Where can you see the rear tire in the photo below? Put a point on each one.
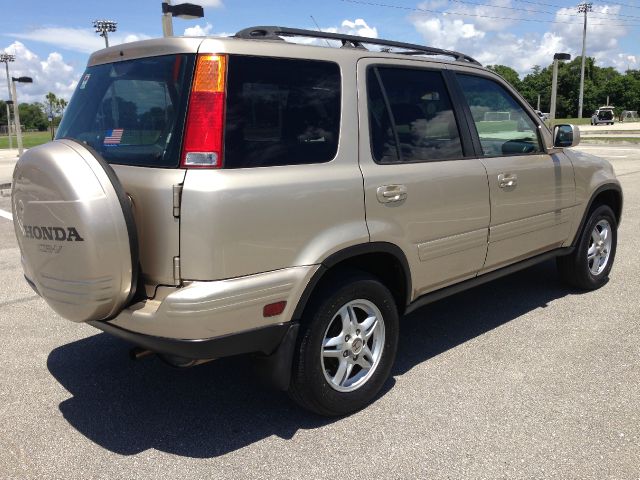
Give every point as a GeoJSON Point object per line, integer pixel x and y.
{"type": "Point", "coordinates": [589, 265]}
{"type": "Point", "coordinates": [346, 347]}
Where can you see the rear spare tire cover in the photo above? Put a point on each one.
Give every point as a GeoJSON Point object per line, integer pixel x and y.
{"type": "Point", "coordinates": [76, 230]}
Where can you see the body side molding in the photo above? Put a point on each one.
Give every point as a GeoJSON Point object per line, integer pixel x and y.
{"type": "Point", "coordinates": [487, 277]}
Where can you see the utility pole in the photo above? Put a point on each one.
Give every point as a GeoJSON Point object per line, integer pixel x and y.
{"type": "Point", "coordinates": [103, 27]}
{"type": "Point", "coordinates": [16, 117]}
{"type": "Point", "coordinates": [167, 19]}
{"type": "Point", "coordinates": [6, 58]}
{"type": "Point", "coordinates": [16, 110]}
{"type": "Point", "coordinates": [583, 8]}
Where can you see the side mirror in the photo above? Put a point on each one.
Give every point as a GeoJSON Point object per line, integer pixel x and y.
{"type": "Point", "coordinates": [566, 136]}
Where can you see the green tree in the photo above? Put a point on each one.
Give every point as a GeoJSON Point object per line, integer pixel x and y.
{"type": "Point", "coordinates": [32, 116]}
{"type": "Point", "coordinates": [538, 82]}
{"type": "Point", "coordinates": [3, 113]}
{"type": "Point", "coordinates": [508, 73]}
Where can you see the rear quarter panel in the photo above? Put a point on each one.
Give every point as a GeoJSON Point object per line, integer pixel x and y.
{"type": "Point", "coordinates": [237, 222]}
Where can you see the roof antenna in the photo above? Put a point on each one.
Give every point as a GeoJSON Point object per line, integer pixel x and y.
{"type": "Point", "coordinates": [318, 27]}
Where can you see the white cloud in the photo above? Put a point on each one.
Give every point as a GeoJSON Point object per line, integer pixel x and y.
{"type": "Point", "coordinates": [492, 16]}
{"type": "Point", "coordinates": [624, 62]}
{"type": "Point", "coordinates": [198, 30]}
{"type": "Point", "coordinates": [205, 31]}
{"type": "Point", "coordinates": [446, 32]}
{"type": "Point", "coordinates": [211, 3]}
{"type": "Point", "coordinates": [83, 40]}
{"type": "Point", "coordinates": [50, 75]}
{"type": "Point", "coordinates": [492, 41]}
{"type": "Point", "coordinates": [358, 27]}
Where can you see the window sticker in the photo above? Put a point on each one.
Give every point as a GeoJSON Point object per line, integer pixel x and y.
{"type": "Point", "coordinates": [113, 137]}
{"type": "Point", "coordinates": [85, 79]}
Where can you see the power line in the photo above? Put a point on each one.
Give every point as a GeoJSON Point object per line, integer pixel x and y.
{"type": "Point", "coordinates": [453, 13]}
{"type": "Point", "coordinates": [624, 4]}
{"type": "Point", "coordinates": [554, 5]}
{"type": "Point", "coordinates": [319, 29]}
{"type": "Point", "coordinates": [543, 11]}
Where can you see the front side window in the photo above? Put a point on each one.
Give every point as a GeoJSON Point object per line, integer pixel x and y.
{"type": "Point", "coordinates": [281, 112]}
{"type": "Point", "coordinates": [503, 126]}
{"type": "Point", "coordinates": [421, 125]}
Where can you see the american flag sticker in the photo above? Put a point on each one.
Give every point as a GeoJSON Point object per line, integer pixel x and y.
{"type": "Point", "coordinates": [113, 137]}
{"type": "Point", "coordinates": [85, 80]}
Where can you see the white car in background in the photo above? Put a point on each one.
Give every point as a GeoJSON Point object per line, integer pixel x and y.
{"type": "Point", "coordinates": [604, 115]}
{"type": "Point", "coordinates": [543, 116]}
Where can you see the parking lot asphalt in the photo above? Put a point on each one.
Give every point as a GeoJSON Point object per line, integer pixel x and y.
{"type": "Point", "coordinates": [8, 159]}
{"type": "Point", "coordinates": [519, 378]}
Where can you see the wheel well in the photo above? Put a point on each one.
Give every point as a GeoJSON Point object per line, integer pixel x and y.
{"type": "Point", "coordinates": [384, 266]}
{"type": "Point", "coordinates": [610, 197]}
{"type": "Point", "coordinates": [392, 271]}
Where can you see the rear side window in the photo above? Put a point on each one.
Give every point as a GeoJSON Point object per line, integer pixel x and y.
{"type": "Point", "coordinates": [503, 126]}
{"type": "Point", "coordinates": [281, 112]}
{"type": "Point", "coordinates": [421, 125]}
{"type": "Point", "coordinates": [132, 112]}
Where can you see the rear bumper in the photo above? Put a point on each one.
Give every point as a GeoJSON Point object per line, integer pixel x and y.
{"type": "Point", "coordinates": [206, 311]}
{"type": "Point", "coordinates": [263, 340]}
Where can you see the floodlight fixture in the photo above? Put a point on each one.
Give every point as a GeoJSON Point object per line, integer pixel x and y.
{"type": "Point", "coordinates": [22, 79]}
{"type": "Point", "coordinates": [185, 11]}
{"type": "Point", "coordinates": [562, 56]}
{"type": "Point", "coordinates": [104, 27]}
{"type": "Point", "coordinates": [7, 57]}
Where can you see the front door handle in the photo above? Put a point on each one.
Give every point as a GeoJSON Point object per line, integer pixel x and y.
{"type": "Point", "coordinates": [391, 193]}
{"type": "Point", "coordinates": [507, 180]}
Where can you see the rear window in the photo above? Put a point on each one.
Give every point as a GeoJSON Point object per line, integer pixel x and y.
{"type": "Point", "coordinates": [132, 112]}
{"type": "Point", "coordinates": [281, 112]}
{"type": "Point", "coordinates": [605, 115]}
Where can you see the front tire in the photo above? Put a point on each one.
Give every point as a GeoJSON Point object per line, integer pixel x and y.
{"type": "Point", "coordinates": [589, 265]}
{"type": "Point", "coordinates": [346, 347]}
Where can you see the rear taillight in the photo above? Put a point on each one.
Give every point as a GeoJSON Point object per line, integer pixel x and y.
{"type": "Point", "coordinates": [203, 137]}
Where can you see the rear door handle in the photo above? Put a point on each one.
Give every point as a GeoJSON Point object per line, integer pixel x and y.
{"type": "Point", "coordinates": [507, 180]}
{"type": "Point", "coordinates": [391, 193]}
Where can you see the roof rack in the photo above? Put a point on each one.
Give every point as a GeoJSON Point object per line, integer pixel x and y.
{"type": "Point", "coordinates": [352, 41]}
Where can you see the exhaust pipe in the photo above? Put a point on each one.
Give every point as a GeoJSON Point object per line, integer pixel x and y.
{"type": "Point", "coordinates": [138, 353]}
{"type": "Point", "coordinates": [180, 362]}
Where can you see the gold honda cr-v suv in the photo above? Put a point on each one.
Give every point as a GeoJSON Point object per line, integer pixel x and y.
{"type": "Point", "coordinates": [208, 197]}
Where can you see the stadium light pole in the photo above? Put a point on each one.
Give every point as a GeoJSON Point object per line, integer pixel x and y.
{"type": "Point", "coordinates": [554, 84]}
{"type": "Point", "coordinates": [583, 8]}
{"type": "Point", "coordinates": [6, 58]}
{"type": "Point", "coordinates": [104, 27]}
{"type": "Point", "coordinates": [186, 11]}
{"type": "Point", "coordinates": [16, 110]}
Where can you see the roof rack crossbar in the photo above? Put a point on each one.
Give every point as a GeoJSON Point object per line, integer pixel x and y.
{"type": "Point", "coordinates": [276, 33]}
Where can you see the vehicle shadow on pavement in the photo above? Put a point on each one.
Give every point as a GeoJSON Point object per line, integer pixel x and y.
{"type": "Point", "coordinates": [128, 407]}
{"type": "Point", "coordinates": [452, 321]}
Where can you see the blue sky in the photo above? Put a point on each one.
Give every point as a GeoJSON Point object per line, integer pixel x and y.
{"type": "Point", "coordinates": [52, 39]}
